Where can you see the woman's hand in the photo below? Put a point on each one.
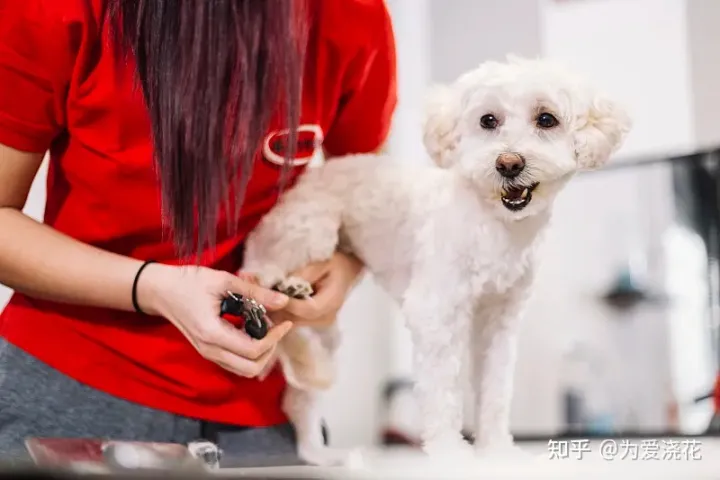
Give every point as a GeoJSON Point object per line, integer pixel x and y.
{"type": "Point", "coordinates": [331, 281]}
{"type": "Point", "coordinates": [190, 298]}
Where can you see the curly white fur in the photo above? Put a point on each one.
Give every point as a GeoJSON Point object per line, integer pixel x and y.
{"type": "Point", "coordinates": [440, 240]}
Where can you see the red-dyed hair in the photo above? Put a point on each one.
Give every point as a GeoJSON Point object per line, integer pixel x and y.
{"type": "Point", "coordinates": [213, 73]}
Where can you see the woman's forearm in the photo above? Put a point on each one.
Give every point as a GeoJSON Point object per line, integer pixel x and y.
{"type": "Point", "coordinates": [41, 262]}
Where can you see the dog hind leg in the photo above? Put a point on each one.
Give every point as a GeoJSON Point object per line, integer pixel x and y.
{"type": "Point", "coordinates": [303, 407]}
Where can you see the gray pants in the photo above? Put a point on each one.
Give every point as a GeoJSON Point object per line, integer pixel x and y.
{"type": "Point", "coordinates": [36, 400]}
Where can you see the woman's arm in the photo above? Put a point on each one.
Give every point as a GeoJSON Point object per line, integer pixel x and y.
{"type": "Point", "coordinates": [41, 262]}
{"type": "Point", "coordinates": [37, 61]}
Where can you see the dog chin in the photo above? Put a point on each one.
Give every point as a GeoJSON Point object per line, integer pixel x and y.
{"type": "Point", "coordinates": [505, 214]}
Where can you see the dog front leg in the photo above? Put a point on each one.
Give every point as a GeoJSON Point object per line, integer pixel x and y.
{"type": "Point", "coordinates": [494, 352]}
{"type": "Point", "coordinates": [440, 338]}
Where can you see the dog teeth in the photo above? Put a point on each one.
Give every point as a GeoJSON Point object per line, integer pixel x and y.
{"type": "Point", "coordinates": [524, 193]}
{"type": "Point", "coordinates": [503, 192]}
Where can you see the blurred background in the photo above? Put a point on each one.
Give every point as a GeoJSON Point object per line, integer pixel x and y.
{"type": "Point", "coordinates": [621, 333]}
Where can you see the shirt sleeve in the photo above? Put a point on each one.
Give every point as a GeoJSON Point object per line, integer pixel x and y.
{"type": "Point", "coordinates": [36, 59]}
{"type": "Point", "coordinates": [369, 99]}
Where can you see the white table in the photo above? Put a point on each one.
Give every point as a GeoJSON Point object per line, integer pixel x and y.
{"type": "Point", "coordinates": [405, 465]}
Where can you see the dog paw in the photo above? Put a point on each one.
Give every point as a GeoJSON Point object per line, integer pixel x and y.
{"type": "Point", "coordinates": [330, 457]}
{"type": "Point", "coordinates": [295, 287]}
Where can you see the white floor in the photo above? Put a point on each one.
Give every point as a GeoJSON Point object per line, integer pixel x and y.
{"type": "Point", "coordinates": [636, 461]}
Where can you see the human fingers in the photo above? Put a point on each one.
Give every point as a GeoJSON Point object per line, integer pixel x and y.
{"type": "Point", "coordinates": [247, 276]}
{"type": "Point", "coordinates": [318, 322]}
{"type": "Point", "coordinates": [270, 299]}
{"type": "Point", "coordinates": [243, 366]}
{"type": "Point", "coordinates": [223, 335]}
{"type": "Point", "coordinates": [327, 299]}
{"type": "Point", "coordinates": [269, 366]}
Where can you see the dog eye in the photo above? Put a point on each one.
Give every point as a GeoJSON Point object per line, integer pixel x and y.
{"type": "Point", "coordinates": [488, 122]}
{"type": "Point", "coordinates": [546, 120]}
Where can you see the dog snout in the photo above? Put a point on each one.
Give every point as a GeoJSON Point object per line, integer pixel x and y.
{"type": "Point", "coordinates": [509, 165]}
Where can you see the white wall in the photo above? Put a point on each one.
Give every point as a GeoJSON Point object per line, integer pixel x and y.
{"type": "Point", "coordinates": [704, 37]}
{"type": "Point", "coordinates": [464, 33]}
{"type": "Point", "coordinates": [642, 52]}
{"type": "Point", "coordinates": [637, 50]}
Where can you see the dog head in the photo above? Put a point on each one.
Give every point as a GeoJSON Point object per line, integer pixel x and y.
{"type": "Point", "coordinates": [518, 130]}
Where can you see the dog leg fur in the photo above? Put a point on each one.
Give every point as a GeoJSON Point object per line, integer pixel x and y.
{"type": "Point", "coordinates": [303, 408]}
{"type": "Point", "coordinates": [494, 343]}
{"type": "Point", "coordinates": [276, 248]}
{"type": "Point", "coordinates": [439, 324]}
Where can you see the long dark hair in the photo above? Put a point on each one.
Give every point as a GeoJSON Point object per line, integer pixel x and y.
{"type": "Point", "coordinates": [213, 73]}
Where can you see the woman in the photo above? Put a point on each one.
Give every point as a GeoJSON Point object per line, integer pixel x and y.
{"type": "Point", "coordinates": [171, 127]}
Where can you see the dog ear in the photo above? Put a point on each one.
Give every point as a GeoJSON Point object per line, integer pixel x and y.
{"type": "Point", "coordinates": [606, 126]}
{"type": "Point", "coordinates": [440, 135]}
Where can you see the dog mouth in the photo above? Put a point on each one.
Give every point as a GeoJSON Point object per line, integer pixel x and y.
{"type": "Point", "coordinates": [517, 197]}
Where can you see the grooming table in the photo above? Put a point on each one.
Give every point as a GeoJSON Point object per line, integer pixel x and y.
{"type": "Point", "coordinates": [407, 464]}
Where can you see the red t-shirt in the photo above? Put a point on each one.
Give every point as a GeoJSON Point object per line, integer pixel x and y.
{"type": "Point", "coordinates": [60, 91]}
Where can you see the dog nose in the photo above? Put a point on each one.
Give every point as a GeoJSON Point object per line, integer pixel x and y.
{"type": "Point", "coordinates": [509, 165]}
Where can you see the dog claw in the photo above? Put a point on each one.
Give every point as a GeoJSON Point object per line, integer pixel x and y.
{"type": "Point", "coordinates": [295, 287]}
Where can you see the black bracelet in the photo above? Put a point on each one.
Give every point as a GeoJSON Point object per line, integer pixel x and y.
{"type": "Point", "coordinates": [134, 286]}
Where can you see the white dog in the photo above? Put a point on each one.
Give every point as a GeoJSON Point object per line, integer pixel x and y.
{"type": "Point", "coordinates": [453, 243]}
